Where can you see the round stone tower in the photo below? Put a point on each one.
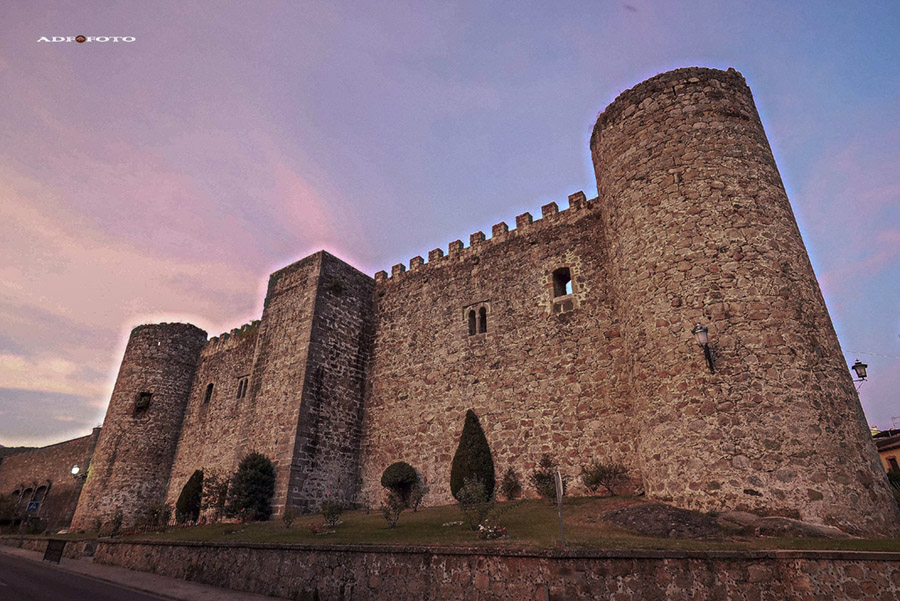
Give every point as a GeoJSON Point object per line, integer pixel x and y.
{"type": "Point", "coordinates": [700, 230]}
{"type": "Point", "coordinates": [131, 464]}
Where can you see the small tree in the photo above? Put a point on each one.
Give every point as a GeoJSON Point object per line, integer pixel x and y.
{"type": "Point", "coordinates": [187, 508]}
{"type": "Point", "coordinates": [400, 478]}
{"type": "Point", "coordinates": [473, 458]}
{"type": "Point", "coordinates": [331, 511]}
{"type": "Point", "coordinates": [252, 488]}
{"type": "Point", "coordinates": [154, 517]}
{"type": "Point", "coordinates": [510, 485]}
{"type": "Point", "coordinates": [391, 508]}
{"type": "Point", "coordinates": [608, 475]}
{"type": "Point", "coordinates": [215, 495]}
{"type": "Point", "coordinates": [543, 478]}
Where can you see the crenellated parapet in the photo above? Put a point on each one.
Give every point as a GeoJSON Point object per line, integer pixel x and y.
{"type": "Point", "coordinates": [500, 233]}
{"type": "Point", "coordinates": [231, 339]}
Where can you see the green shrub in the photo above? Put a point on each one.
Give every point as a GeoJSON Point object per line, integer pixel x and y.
{"type": "Point", "coordinates": [290, 514]}
{"type": "Point", "coordinates": [252, 488]}
{"type": "Point", "coordinates": [510, 486]}
{"type": "Point", "coordinates": [608, 475]}
{"type": "Point", "coordinates": [7, 509]}
{"type": "Point", "coordinates": [115, 525]}
{"type": "Point", "coordinates": [391, 508]}
{"type": "Point", "coordinates": [543, 478]}
{"type": "Point", "coordinates": [473, 458]}
{"type": "Point", "coordinates": [215, 495]}
{"type": "Point", "coordinates": [187, 508]}
{"type": "Point", "coordinates": [400, 478]}
{"type": "Point", "coordinates": [154, 517]}
{"type": "Point", "coordinates": [331, 511]}
{"type": "Point", "coordinates": [475, 502]}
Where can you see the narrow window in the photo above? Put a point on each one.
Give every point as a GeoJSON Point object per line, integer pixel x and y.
{"type": "Point", "coordinates": [472, 322]}
{"type": "Point", "coordinates": [240, 388]}
{"type": "Point", "coordinates": [894, 466]}
{"type": "Point", "coordinates": [208, 395]}
{"type": "Point", "coordinates": [142, 403]}
{"type": "Point", "coordinates": [482, 320]}
{"type": "Point", "coordinates": [562, 282]}
{"type": "Point", "coordinates": [40, 494]}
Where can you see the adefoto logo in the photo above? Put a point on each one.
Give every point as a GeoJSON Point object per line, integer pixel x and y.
{"type": "Point", "coordinates": [81, 39]}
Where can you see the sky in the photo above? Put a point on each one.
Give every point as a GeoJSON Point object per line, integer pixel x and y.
{"type": "Point", "coordinates": [163, 179]}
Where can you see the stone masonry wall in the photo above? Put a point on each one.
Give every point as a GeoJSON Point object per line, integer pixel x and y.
{"type": "Point", "coordinates": [279, 369]}
{"type": "Point", "coordinates": [401, 574]}
{"type": "Point", "coordinates": [212, 434]}
{"type": "Point", "coordinates": [135, 449]}
{"type": "Point", "coordinates": [327, 447]}
{"type": "Point", "coordinates": [544, 377]}
{"type": "Point", "coordinates": [704, 232]}
{"type": "Point", "coordinates": [49, 467]}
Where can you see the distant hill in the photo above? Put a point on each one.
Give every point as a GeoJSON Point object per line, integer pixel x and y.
{"type": "Point", "coordinates": [8, 451]}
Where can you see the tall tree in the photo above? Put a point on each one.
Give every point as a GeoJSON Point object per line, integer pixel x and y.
{"type": "Point", "coordinates": [473, 458]}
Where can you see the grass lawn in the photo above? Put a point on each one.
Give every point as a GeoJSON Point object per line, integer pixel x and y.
{"type": "Point", "coordinates": [532, 524]}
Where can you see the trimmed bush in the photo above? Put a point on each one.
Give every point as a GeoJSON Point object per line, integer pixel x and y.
{"type": "Point", "coordinates": [510, 485]}
{"type": "Point", "coordinates": [608, 475]}
{"type": "Point", "coordinates": [472, 460]}
{"type": "Point", "coordinates": [543, 478]}
{"type": "Point", "coordinates": [400, 478]}
{"type": "Point", "coordinates": [252, 489]}
{"type": "Point", "coordinates": [187, 508]}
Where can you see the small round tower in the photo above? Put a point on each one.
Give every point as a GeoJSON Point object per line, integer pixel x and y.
{"type": "Point", "coordinates": [700, 230]}
{"type": "Point", "coordinates": [131, 464]}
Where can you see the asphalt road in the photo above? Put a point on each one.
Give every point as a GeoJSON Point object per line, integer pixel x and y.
{"type": "Point", "coordinates": [25, 580]}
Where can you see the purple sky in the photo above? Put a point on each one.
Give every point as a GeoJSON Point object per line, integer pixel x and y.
{"type": "Point", "coordinates": [164, 179]}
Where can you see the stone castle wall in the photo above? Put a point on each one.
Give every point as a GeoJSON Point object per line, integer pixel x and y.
{"type": "Point", "coordinates": [544, 376]}
{"type": "Point", "coordinates": [212, 434]}
{"type": "Point", "coordinates": [705, 232]}
{"type": "Point", "coordinates": [327, 446]}
{"type": "Point", "coordinates": [50, 467]}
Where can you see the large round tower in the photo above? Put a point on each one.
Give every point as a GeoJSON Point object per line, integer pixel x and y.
{"type": "Point", "coordinates": [131, 464]}
{"type": "Point", "coordinates": [700, 230]}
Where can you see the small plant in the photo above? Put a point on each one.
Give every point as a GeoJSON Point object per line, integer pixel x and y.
{"type": "Point", "coordinates": [391, 508]}
{"type": "Point", "coordinates": [608, 475]}
{"type": "Point", "coordinates": [331, 511]}
{"type": "Point", "coordinates": [400, 478]}
{"type": "Point", "coordinates": [543, 478]}
{"type": "Point", "coordinates": [154, 517]}
{"type": "Point", "coordinates": [475, 502]}
{"type": "Point", "coordinates": [115, 525]}
{"type": "Point", "coordinates": [472, 459]}
{"type": "Point", "coordinates": [510, 486]}
{"type": "Point", "coordinates": [252, 488]}
{"type": "Point", "coordinates": [290, 514]}
{"type": "Point", "coordinates": [187, 508]}
{"type": "Point", "coordinates": [214, 495]}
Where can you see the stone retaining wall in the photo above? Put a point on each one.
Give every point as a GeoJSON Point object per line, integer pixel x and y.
{"type": "Point", "coordinates": [346, 573]}
{"type": "Point", "coordinates": [75, 549]}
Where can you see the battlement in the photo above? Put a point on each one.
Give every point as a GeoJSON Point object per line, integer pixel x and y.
{"type": "Point", "coordinates": [234, 337]}
{"type": "Point", "coordinates": [641, 96]}
{"type": "Point", "coordinates": [500, 232]}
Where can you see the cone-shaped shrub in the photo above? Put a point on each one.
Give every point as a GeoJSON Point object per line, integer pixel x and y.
{"type": "Point", "coordinates": [187, 508]}
{"type": "Point", "coordinates": [252, 489]}
{"type": "Point", "coordinates": [473, 459]}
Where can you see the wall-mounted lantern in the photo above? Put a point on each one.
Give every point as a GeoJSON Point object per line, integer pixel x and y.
{"type": "Point", "coordinates": [860, 368]}
{"type": "Point", "coordinates": [701, 335]}
{"type": "Point", "coordinates": [77, 473]}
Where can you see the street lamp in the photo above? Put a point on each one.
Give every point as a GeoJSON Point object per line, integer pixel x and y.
{"type": "Point", "coordinates": [701, 335]}
{"type": "Point", "coordinates": [77, 474]}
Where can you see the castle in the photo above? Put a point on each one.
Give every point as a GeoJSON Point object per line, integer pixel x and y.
{"type": "Point", "coordinates": [569, 335]}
